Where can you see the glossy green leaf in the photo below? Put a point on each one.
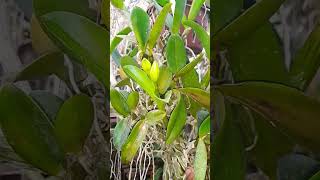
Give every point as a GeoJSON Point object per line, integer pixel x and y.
{"type": "Point", "coordinates": [80, 7]}
{"type": "Point", "coordinates": [81, 39]}
{"type": "Point", "coordinates": [105, 12]}
{"type": "Point", "coordinates": [175, 53]}
{"type": "Point", "coordinates": [121, 133]}
{"type": "Point", "coordinates": [225, 12]}
{"type": "Point", "coordinates": [179, 9]}
{"type": "Point", "coordinates": [134, 52]}
{"type": "Point", "coordinates": [200, 162]}
{"type": "Point", "coordinates": [199, 95]}
{"type": "Point", "coordinates": [250, 59]}
{"type": "Point", "coordinates": [116, 40]}
{"type": "Point", "coordinates": [133, 100]}
{"type": "Point", "coordinates": [51, 63]}
{"type": "Point", "coordinates": [165, 79]}
{"type": "Point", "coordinates": [205, 80]}
{"type": "Point", "coordinates": [195, 9]}
{"type": "Point", "coordinates": [73, 123]}
{"type": "Point", "coordinates": [286, 107]}
{"type": "Point", "coordinates": [48, 102]}
{"type": "Point", "coordinates": [247, 23]}
{"type": "Point", "coordinates": [228, 151]}
{"type": "Point", "coordinates": [124, 82]}
{"type": "Point", "coordinates": [306, 62]}
{"type": "Point", "coordinates": [177, 121]}
{"type": "Point", "coordinates": [205, 127]}
{"type": "Point", "coordinates": [154, 116]}
{"type": "Point", "coordinates": [128, 60]}
{"type": "Point", "coordinates": [141, 78]}
{"type": "Point", "coordinates": [118, 3]}
{"type": "Point", "coordinates": [162, 2]}
{"type": "Point", "coordinates": [190, 66]}
{"type": "Point", "coordinates": [158, 25]}
{"type": "Point", "coordinates": [141, 26]}
{"type": "Point", "coordinates": [202, 35]}
{"type": "Point", "coordinates": [134, 141]}
{"type": "Point", "coordinates": [28, 130]}
{"type": "Point", "coordinates": [119, 103]}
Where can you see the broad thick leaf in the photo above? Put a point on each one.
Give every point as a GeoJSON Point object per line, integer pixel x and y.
{"type": "Point", "coordinates": [177, 121]}
{"type": "Point", "coordinates": [141, 78]}
{"type": "Point", "coordinates": [286, 107]}
{"type": "Point", "coordinates": [202, 35]}
{"type": "Point", "coordinates": [175, 53]}
{"type": "Point", "coordinates": [199, 95]}
{"type": "Point", "coordinates": [247, 23]}
{"type": "Point", "coordinates": [200, 162]}
{"type": "Point", "coordinates": [297, 167]}
{"type": "Point", "coordinates": [228, 155]}
{"type": "Point", "coordinates": [258, 57]}
{"type": "Point", "coordinates": [51, 63]}
{"type": "Point", "coordinates": [306, 62]}
{"type": "Point", "coordinates": [73, 123]}
{"type": "Point", "coordinates": [179, 8]}
{"type": "Point", "coordinates": [121, 133]}
{"type": "Point", "coordinates": [116, 40]}
{"type": "Point", "coordinates": [154, 116]}
{"type": "Point", "coordinates": [165, 79]}
{"type": "Point", "coordinates": [134, 141]}
{"type": "Point", "coordinates": [158, 25]}
{"type": "Point", "coordinates": [48, 102]}
{"type": "Point", "coordinates": [81, 39]}
{"type": "Point", "coordinates": [190, 66]}
{"type": "Point", "coordinates": [80, 7]}
{"type": "Point", "coordinates": [118, 3]}
{"type": "Point", "coordinates": [119, 103]}
{"type": "Point", "coordinates": [140, 23]}
{"type": "Point", "coordinates": [28, 130]}
{"type": "Point", "coordinates": [128, 60]}
{"type": "Point", "coordinates": [195, 9]}
{"type": "Point", "coordinates": [133, 100]}
{"type": "Point", "coordinates": [224, 12]}
{"type": "Point", "coordinates": [205, 127]}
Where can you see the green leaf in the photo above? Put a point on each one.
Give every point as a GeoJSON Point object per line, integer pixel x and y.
{"type": "Point", "coordinates": [286, 107]}
{"type": "Point", "coordinates": [199, 95]}
{"type": "Point", "coordinates": [119, 103]}
{"type": "Point", "coordinates": [224, 12]}
{"type": "Point", "coordinates": [141, 78]}
{"type": "Point", "coordinates": [200, 162]}
{"type": "Point", "coordinates": [134, 141]}
{"type": "Point", "coordinates": [176, 122]}
{"type": "Point", "coordinates": [205, 80]}
{"type": "Point", "coordinates": [121, 133]}
{"type": "Point", "coordinates": [179, 8]}
{"type": "Point", "coordinates": [158, 25]}
{"type": "Point", "coordinates": [141, 26]}
{"type": "Point", "coordinates": [73, 123]}
{"type": "Point", "coordinates": [162, 2]}
{"type": "Point", "coordinates": [116, 40]}
{"type": "Point", "coordinates": [175, 53]}
{"type": "Point", "coordinates": [48, 102]}
{"type": "Point", "coordinates": [105, 12]}
{"type": "Point", "coordinates": [250, 59]}
{"type": "Point", "coordinates": [306, 62]}
{"type": "Point", "coordinates": [81, 39]}
{"type": "Point", "coordinates": [316, 176]}
{"type": "Point", "coordinates": [190, 66]}
{"type": "Point", "coordinates": [219, 109]}
{"type": "Point", "coordinates": [202, 35]}
{"type": "Point", "coordinates": [28, 130]}
{"type": "Point", "coordinates": [204, 128]}
{"type": "Point", "coordinates": [118, 3]}
{"type": "Point", "coordinates": [247, 23]}
{"type": "Point", "coordinates": [228, 156]}
{"type": "Point", "coordinates": [128, 60]}
{"type": "Point", "coordinates": [124, 82]}
{"type": "Point", "coordinates": [195, 9]}
{"type": "Point", "coordinates": [133, 100]}
{"type": "Point", "coordinates": [152, 117]}
{"type": "Point", "coordinates": [165, 79]}
{"type": "Point", "coordinates": [51, 63]}
{"type": "Point", "coordinates": [80, 7]}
